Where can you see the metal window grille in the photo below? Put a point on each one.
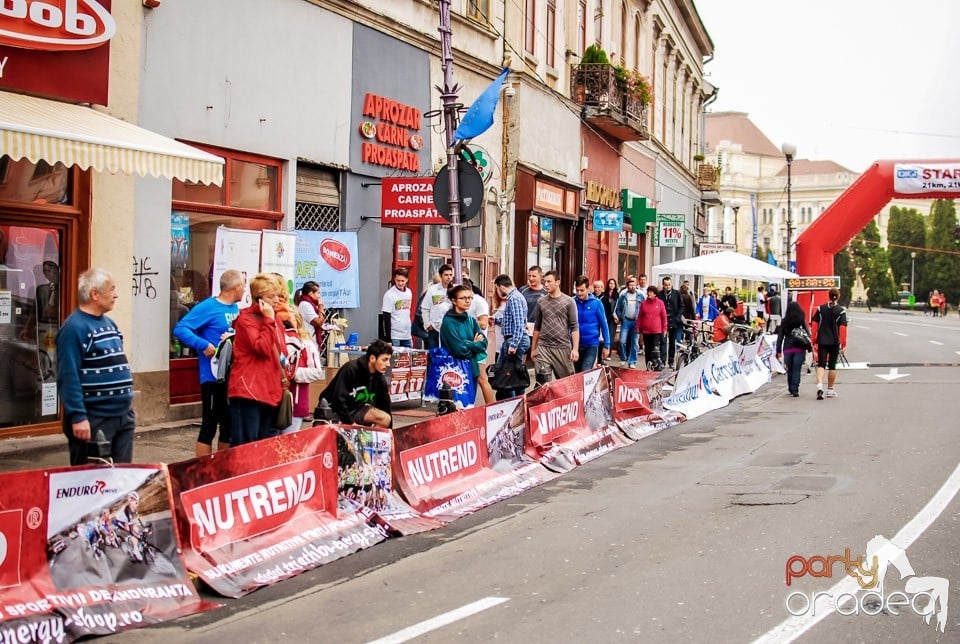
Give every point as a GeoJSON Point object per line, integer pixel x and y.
{"type": "Point", "coordinates": [312, 216]}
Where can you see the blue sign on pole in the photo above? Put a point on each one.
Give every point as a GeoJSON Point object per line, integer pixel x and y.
{"type": "Point", "coordinates": [608, 220]}
{"type": "Point", "coordinates": [793, 266]}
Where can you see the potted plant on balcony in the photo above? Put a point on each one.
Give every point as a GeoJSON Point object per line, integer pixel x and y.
{"type": "Point", "coordinates": [594, 55]}
{"type": "Point", "coordinates": [632, 84]}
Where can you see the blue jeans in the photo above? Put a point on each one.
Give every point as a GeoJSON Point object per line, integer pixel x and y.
{"type": "Point", "coordinates": [793, 363]}
{"type": "Point", "coordinates": [587, 358]}
{"type": "Point", "coordinates": [402, 343]}
{"type": "Point", "coordinates": [628, 341]}
{"type": "Point", "coordinates": [522, 348]}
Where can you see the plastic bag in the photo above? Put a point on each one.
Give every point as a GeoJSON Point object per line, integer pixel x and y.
{"type": "Point", "coordinates": [458, 374]}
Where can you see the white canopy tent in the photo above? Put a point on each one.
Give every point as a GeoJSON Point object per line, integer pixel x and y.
{"type": "Point", "coordinates": [725, 264]}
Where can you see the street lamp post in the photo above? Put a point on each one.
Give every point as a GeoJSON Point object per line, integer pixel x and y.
{"type": "Point", "coordinates": [735, 206]}
{"type": "Point", "coordinates": [913, 257]}
{"type": "Point", "coordinates": [789, 151]}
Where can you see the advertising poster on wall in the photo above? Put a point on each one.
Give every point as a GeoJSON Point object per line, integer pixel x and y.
{"type": "Point", "coordinates": [88, 552]}
{"type": "Point", "coordinates": [179, 240]}
{"type": "Point", "coordinates": [277, 255]}
{"type": "Point", "coordinates": [330, 259]}
{"type": "Point", "coordinates": [239, 250]}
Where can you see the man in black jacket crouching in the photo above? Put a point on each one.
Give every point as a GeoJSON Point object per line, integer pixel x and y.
{"type": "Point", "coordinates": [359, 394]}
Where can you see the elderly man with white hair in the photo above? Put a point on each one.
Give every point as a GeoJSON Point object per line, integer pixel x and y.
{"type": "Point", "coordinates": [94, 378]}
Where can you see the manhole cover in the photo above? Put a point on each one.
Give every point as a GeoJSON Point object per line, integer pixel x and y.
{"type": "Point", "coordinates": [768, 499]}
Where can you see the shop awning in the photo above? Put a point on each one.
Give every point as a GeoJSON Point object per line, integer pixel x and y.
{"type": "Point", "coordinates": [37, 129]}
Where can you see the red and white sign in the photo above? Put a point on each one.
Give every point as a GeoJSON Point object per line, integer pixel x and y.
{"type": "Point", "coordinates": [241, 507]}
{"type": "Point", "coordinates": [335, 253]}
{"type": "Point", "coordinates": [441, 462]}
{"type": "Point", "coordinates": [562, 416]}
{"type": "Point", "coordinates": [55, 26]}
{"type": "Point", "coordinates": [408, 201]}
{"type": "Point", "coordinates": [57, 48]}
{"type": "Point", "coordinates": [11, 525]}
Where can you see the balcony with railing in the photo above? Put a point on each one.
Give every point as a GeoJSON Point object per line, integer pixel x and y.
{"type": "Point", "coordinates": [606, 103]}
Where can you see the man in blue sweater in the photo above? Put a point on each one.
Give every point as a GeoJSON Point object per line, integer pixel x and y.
{"type": "Point", "coordinates": [94, 377]}
{"type": "Point", "coordinates": [593, 326]}
{"type": "Point", "coordinates": [201, 330]}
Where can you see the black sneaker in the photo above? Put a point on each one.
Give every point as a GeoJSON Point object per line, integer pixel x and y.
{"type": "Point", "coordinates": [819, 394]}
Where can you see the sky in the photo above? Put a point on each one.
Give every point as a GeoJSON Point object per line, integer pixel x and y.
{"type": "Point", "coordinates": [852, 81]}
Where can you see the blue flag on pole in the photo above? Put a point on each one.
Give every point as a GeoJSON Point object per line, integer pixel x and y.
{"type": "Point", "coordinates": [770, 258]}
{"type": "Point", "coordinates": [479, 117]}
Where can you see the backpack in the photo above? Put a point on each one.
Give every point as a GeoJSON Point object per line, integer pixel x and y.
{"type": "Point", "coordinates": [222, 360]}
{"type": "Point", "coordinates": [296, 353]}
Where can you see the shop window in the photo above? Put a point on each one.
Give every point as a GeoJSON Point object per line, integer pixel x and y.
{"type": "Point", "coordinates": [31, 298]}
{"type": "Point", "coordinates": [250, 183]}
{"type": "Point", "coordinates": [38, 183]}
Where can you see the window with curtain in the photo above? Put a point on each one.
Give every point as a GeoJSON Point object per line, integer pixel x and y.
{"type": "Point", "coordinates": [598, 22]}
{"type": "Point", "coordinates": [636, 43]}
{"type": "Point", "coordinates": [479, 10]}
{"type": "Point", "coordinates": [582, 28]}
{"type": "Point", "coordinates": [623, 33]}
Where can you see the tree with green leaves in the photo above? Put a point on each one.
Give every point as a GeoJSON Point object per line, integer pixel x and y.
{"type": "Point", "coordinates": [908, 228]}
{"type": "Point", "coordinates": [843, 267]}
{"type": "Point", "coordinates": [873, 264]}
{"type": "Point", "coordinates": [942, 270]}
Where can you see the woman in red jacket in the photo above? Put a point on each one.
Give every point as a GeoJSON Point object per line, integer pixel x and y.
{"type": "Point", "coordinates": [652, 325]}
{"type": "Point", "coordinates": [255, 385]}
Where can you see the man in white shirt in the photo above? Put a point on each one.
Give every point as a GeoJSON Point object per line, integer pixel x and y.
{"type": "Point", "coordinates": [395, 312]}
{"type": "Point", "coordinates": [435, 304]}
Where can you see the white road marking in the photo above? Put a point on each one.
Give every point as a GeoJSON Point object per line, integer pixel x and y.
{"type": "Point", "coordinates": [440, 621]}
{"type": "Point", "coordinates": [902, 334]}
{"type": "Point", "coordinates": [860, 326]}
{"type": "Point", "coordinates": [793, 627]}
{"type": "Point", "coordinates": [939, 344]}
{"type": "Point", "coordinates": [893, 375]}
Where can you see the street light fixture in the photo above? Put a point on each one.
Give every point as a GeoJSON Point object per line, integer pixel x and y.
{"type": "Point", "coordinates": [735, 207]}
{"type": "Point", "coordinates": [789, 151]}
{"type": "Point", "coordinates": [913, 257]}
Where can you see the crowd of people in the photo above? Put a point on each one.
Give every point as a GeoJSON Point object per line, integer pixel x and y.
{"type": "Point", "coordinates": [274, 356]}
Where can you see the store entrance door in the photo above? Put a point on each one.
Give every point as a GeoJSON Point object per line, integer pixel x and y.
{"type": "Point", "coordinates": [31, 305]}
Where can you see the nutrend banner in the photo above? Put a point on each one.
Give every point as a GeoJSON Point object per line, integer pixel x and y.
{"type": "Point", "coordinates": [258, 513]}
{"type": "Point", "coordinates": [638, 402]}
{"type": "Point", "coordinates": [458, 463]}
{"type": "Point", "coordinates": [571, 421]}
{"type": "Point", "coordinates": [88, 551]}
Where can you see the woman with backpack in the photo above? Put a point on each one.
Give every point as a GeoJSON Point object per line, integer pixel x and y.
{"type": "Point", "coordinates": [303, 367]}
{"type": "Point", "coordinates": [793, 342]}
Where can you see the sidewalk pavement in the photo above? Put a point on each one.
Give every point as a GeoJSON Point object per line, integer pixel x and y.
{"type": "Point", "coordinates": [161, 443]}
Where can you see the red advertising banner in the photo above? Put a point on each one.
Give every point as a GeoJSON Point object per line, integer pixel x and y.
{"type": "Point", "coordinates": [88, 551]}
{"type": "Point", "coordinates": [265, 511]}
{"type": "Point", "coordinates": [408, 200]}
{"type": "Point", "coordinates": [571, 421]}
{"type": "Point", "coordinates": [57, 49]}
{"type": "Point", "coordinates": [456, 464]}
{"type": "Point", "coordinates": [638, 402]}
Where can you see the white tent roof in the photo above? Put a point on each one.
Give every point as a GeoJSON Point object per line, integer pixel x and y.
{"type": "Point", "coordinates": [725, 264]}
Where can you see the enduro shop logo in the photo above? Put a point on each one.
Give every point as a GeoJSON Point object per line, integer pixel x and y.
{"type": "Point", "coordinates": [924, 596]}
{"type": "Point", "coordinates": [55, 25]}
{"type": "Point", "coordinates": [95, 488]}
{"type": "Point", "coordinates": [335, 253]}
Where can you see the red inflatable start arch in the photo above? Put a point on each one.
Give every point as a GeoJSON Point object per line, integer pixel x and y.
{"type": "Point", "coordinates": [845, 217]}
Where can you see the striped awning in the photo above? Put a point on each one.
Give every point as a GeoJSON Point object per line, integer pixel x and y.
{"type": "Point", "coordinates": [38, 129]}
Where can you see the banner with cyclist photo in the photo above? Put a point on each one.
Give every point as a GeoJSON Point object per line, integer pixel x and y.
{"type": "Point", "coordinates": [365, 469]}
{"type": "Point", "coordinates": [265, 511]}
{"type": "Point", "coordinates": [444, 465]}
{"type": "Point", "coordinates": [88, 551]}
{"type": "Point", "coordinates": [570, 421]}
{"type": "Point", "coordinates": [638, 402]}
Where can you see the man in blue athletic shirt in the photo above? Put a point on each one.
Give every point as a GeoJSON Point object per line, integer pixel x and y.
{"type": "Point", "coordinates": [201, 330]}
